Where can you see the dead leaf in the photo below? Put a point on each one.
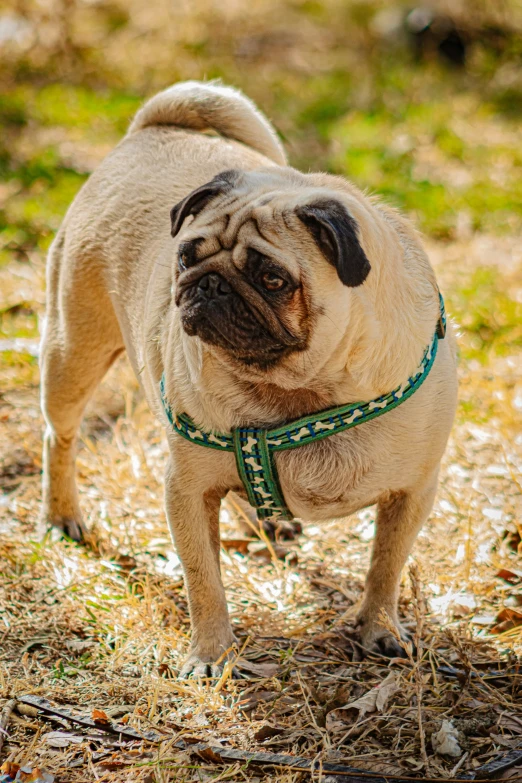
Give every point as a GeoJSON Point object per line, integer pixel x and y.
{"type": "Point", "coordinates": [386, 690]}
{"type": "Point", "coordinates": [445, 741]}
{"type": "Point", "coordinates": [506, 742]}
{"type": "Point", "coordinates": [510, 722]}
{"type": "Point", "coordinates": [265, 670]}
{"type": "Point", "coordinates": [256, 698]}
{"type": "Point", "coordinates": [414, 763]}
{"type": "Point", "coordinates": [62, 739]}
{"type": "Point", "coordinates": [474, 704]}
{"type": "Point", "coordinates": [34, 775]}
{"type": "Point", "coordinates": [9, 768]}
{"type": "Point", "coordinates": [236, 544]}
{"type": "Point", "coordinates": [509, 575]}
{"type": "Point", "coordinates": [208, 754]}
{"type": "Point", "coordinates": [258, 549]}
{"type": "Point", "coordinates": [506, 620]}
{"type": "Point", "coordinates": [99, 716]}
{"type": "Point", "coordinates": [514, 772]}
{"type": "Point", "coordinates": [267, 732]}
{"type": "Point", "coordinates": [374, 700]}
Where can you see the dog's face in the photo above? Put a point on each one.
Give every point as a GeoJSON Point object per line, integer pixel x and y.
{"type": "Point", "coordinates": [265, 269]}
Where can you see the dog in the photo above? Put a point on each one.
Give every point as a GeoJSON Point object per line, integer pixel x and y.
{"type": "Point", "coordinates": [247, 294]}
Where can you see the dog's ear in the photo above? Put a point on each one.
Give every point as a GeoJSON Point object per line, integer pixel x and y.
{"type": "Point", "coordinates": [335, 233]}
{"type": "Point", "coordinates": [196, 201]}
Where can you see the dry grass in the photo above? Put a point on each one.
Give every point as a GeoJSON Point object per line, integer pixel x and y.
{"type": "Point", "coordinates": [109, 626]}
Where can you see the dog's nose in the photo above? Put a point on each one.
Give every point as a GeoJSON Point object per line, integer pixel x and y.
{"type": "Point", "coordinates": [212, 286]}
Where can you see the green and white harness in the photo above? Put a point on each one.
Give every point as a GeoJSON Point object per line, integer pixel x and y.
{"type": "Point", "coordinates": [254, 447]}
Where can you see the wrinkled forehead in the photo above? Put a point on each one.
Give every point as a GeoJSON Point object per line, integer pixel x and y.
{"type": "Point", "coordinates": [262, 223]}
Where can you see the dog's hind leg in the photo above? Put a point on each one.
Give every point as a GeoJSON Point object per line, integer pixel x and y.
{"type": "Point", "coordinates": [81, 340]}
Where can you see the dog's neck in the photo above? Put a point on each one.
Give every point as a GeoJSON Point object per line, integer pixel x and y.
{"type": "Point", "coordinates": [396, 311]}
{"type": "Point", "coordinates": [219, 399]}
{"type": "Point", "coordinates": [393, 320]}
{"type": "Point", "coordinates": [287, 404]}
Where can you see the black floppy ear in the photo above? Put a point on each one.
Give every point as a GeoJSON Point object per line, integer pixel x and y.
{"type": "Point", "coordinates": [335, 233]}
{"type": "Point", "coordinates": [196, 201]}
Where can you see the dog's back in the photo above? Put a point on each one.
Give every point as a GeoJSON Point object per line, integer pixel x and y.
{"type": "Point", "coordinates": [119, 221]}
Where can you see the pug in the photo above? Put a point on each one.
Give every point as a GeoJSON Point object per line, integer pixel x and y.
{"type": "Point", "coordinates": [247, 294]}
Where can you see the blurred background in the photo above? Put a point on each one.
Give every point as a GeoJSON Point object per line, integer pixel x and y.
{"type": "Point", "coordinates": [419, 102]}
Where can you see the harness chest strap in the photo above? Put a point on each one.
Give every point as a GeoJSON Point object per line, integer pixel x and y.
{"type": "Point", "coordinates": [254, 447]}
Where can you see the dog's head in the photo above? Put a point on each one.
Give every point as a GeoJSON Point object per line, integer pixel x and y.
{"type": "Point", "coordinates": [266, 267]}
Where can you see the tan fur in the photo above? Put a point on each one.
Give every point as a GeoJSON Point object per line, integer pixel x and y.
{"type": "Point", "coordinates": [212, 106]}
{"type": "Point", "coordinates": [112, 280]}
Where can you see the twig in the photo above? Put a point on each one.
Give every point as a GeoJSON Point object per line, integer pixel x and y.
{"type": "Point", "coordinates": [4, 720]}
{"type": "Point", "coordinates": [459, 764]}
{"type": "Point", "coordinates": [258, 531]}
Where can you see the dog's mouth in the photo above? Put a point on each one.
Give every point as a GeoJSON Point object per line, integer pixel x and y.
{"type": "Point", "coordinates": [213, 310]}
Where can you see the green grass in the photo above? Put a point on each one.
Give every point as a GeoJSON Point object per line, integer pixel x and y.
{"type": "Point", "coordinates": [80, 108]}
{"type": "Point", "coordinates": [19, 321]}
{"type": "Point", "coordinates": [416, 158]}
{"type": "Point", "coordinates": [489, 315]}
{"type": "Point", "coordinates": [436, 156]}
{"type": "Point", "coordinates": [439, 143]}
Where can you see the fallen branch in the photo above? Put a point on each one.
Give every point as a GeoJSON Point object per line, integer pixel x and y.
{"type": "Point", "coordinates": [109, 727]}
{"type": "Point", "coordinates": [488, 773]}
{"type": "Point", "coordinates": [217, 754]}
{"type": "Point", "coordinates": [494, 769]}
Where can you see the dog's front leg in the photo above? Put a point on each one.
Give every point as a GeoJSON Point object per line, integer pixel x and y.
{"type": "Point", "coordinates": [193, 516]}
{"type": "Point", "coordinates": [399, 519]}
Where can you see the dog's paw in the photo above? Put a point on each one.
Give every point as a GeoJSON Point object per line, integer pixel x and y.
{"type": "Point", "coordinates": [198, 669]}
{"type": "Point", "coordinates": [204, 667]}
{"type": "Point", "coordinates": [59, 527]}
{"type": "Point", "coordinates": [282, 530]}
{"type": "Point", "coordinates": [377, 640]}
{"type": "Point", "coordinates": [207, 660]}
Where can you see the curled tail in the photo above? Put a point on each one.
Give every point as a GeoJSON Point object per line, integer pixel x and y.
{"type": "Point", "coordinates": [211, 106]}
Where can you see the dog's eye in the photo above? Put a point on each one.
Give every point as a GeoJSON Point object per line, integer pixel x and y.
{"type": "Point", "coordinates": [187, 254]}
{"type": "Point", "coordinates": [272, 282]}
